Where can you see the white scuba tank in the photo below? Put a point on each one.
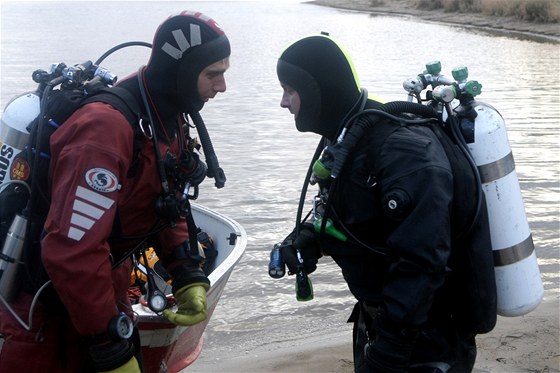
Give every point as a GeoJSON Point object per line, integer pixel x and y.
{"type": "Point", "coordinates": [518, 280]}
{"type": "Point", "coordinates": [17, 115]}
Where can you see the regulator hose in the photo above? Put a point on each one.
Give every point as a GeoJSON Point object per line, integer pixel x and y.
{"type": "Point", "coordinates": [214, 169]}
{"type": "Point", "coordinates": [359, 122]}
{"type": "Point", "coordinates": [121, 46]}
{"type": "Point", "coordinates": [394, 107]}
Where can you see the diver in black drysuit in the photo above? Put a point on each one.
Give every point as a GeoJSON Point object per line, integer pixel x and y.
{"type": "Point", "coordinates": [424, 281]}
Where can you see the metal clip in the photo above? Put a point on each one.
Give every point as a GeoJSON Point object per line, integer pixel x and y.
{"type": "Point", "coordinates": [149, 134]}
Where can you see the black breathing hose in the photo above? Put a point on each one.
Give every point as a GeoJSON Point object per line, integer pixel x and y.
{"type": "Point", "coordinates": [214, 169]}
{"type": "Point", "coordinates": [120, 46]}
{"type": "Point", "coordinates": [303, 194]}
{"type": "Point", "coordinates": [358, 123]}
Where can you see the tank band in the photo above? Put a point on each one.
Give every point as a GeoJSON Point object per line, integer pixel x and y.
{"type": "Point", "coordinates": [12, 137]}
{"type": "Point", "coordinates": [496, 170]}
{"type": "Point", "coordinates": [515, 253]}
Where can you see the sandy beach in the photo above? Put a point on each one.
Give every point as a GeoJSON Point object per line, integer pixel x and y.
{"type": "Point", "coordinates": [528, 343]}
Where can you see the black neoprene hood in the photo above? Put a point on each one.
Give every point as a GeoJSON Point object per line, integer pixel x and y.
{"type": "Point", "coordinates": [323, 75]}
{"type": "Point", "coordinates": [183, 46]}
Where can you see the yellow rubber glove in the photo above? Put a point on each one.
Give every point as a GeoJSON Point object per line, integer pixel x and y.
{"type": "Point", "coordinates": [130, 367]}
{"type": "Point", "coordinates": [191, 305]}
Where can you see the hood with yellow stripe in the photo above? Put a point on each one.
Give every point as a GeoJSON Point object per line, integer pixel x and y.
{"type": "Point", "coordinates": [322, 73]}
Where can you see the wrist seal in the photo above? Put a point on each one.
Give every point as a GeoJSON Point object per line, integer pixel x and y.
{"type": "Point", "coordinates": [185, 252]}
{"type": "Point", "coordinates": [185, 274]}
{"type": "Point", "coordinates": [110, 356]}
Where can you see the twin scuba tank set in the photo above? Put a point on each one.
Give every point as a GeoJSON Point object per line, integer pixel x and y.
{"type": "Point", "coordinates": [482, 132]}
{"type": "Point", "coordinates": [27, 110]}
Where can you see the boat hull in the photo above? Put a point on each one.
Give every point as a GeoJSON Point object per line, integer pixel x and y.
{"type": "Point", "coordinates": [167, 347]}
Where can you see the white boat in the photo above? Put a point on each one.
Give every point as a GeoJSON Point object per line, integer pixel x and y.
{"type": "Point", "coordinates": [170, 348]}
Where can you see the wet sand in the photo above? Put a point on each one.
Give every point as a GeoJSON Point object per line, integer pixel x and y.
{"type": "Point", "coordinates": [529, 343]}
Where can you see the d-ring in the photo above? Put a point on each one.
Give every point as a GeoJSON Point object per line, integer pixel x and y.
{"type": "Point", "coordinates": [149, 135]}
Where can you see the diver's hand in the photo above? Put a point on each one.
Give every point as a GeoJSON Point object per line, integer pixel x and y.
{"type": "Point", "coordinates": [308, 244]}
{"type": "Point", "coordinates": [191, 305]}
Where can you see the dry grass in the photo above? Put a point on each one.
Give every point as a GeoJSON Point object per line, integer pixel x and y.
{"type": "Point", "coordinates": [546, 11]}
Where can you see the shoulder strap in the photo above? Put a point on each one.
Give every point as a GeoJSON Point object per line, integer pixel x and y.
{"type": "Point", "coordinates": [120, 99]}
{"type": "Point", "coordinates": [123, 101]}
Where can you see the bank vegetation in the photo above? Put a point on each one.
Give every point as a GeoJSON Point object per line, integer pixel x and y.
{"type": "Point", "coordinates": [542, 11]}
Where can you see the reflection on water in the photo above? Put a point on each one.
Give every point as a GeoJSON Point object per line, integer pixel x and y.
{"type": "Point", "coordinates": [265, 158]}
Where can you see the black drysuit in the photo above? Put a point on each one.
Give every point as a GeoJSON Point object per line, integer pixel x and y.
{"type": "Point", "coordinates": [407, 191]}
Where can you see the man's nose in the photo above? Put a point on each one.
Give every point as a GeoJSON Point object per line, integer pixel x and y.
{"type": "Point", "coordinates": [220, 84]}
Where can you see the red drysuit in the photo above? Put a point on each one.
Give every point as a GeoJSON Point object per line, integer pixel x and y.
{"type": "Point", "coordinates": [91, 156]}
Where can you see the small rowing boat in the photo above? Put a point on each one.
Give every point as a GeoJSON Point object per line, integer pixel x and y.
{"type": "Point", "coordinates": [169, 348]}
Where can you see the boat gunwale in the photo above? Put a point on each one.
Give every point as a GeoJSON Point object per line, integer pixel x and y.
{"type": "Point", "coordinates": [219, 274]}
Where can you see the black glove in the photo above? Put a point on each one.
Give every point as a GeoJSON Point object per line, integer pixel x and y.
{"type": "Point", "coordinates": [391, 350]}
{"type": "Point", "coordinates": [307, 241]}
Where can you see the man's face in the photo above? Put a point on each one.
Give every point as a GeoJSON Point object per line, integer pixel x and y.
{"type": "Point", "coordinates": [290, 100]}
{"type": "Point", "coordinates": [211, 80]}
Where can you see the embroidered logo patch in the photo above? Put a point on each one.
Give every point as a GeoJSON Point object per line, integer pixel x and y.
{"type": "Point", "coordinates": [102, 180]}
{"type": "Point", "coordinates": [20, 170]}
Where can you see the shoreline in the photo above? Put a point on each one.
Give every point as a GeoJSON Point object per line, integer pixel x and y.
{"type": "Point", "coordinates": [507, 26]}
{"type": "Point", "coordinates": [527, 343]}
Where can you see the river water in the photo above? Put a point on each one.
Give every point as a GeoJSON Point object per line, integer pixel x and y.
{"type": "Point", "coordinates": [262, 154]}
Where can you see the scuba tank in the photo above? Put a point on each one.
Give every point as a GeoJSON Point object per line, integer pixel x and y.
{"type": "Point", "coordinates": [20, 112]}
{"type": "Point", "coordinates": [518, 280]}
{"type": "Point", "coordinates": [14, 135]}
{"type": "Point", "coordinates": [11, 255]}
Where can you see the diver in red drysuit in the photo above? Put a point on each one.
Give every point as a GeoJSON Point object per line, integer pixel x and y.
{"type": "Point", "coordinates": [100, 210]}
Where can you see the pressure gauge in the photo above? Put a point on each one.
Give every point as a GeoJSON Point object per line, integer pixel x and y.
{"type": "Point", "coordinates": [157, 301]}
{"type": "Point", "coordinates": [120, 327]}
